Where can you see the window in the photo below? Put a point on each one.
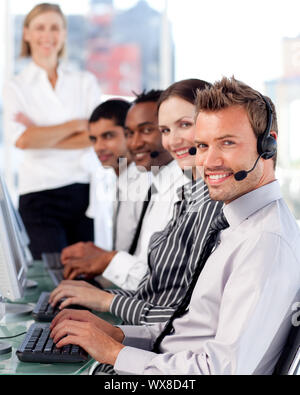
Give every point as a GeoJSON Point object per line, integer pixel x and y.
{"type": "Point", "coordinates": [132, 45]}
{"type": "Point", "coordinates": [121, 46]}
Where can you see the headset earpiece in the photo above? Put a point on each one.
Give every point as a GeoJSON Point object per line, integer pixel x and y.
{"type": "Point", "coordinates": [268, 147]}
{"type": "Point", "coordinates": [267, 144]}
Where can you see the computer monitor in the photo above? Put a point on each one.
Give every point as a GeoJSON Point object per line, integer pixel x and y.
{"type": "Point", "coordinates": [20, 229]}
{"type": "Point", "coordinates": [13, 263]}
{"type": "Point", "coordinates": [13, 266]}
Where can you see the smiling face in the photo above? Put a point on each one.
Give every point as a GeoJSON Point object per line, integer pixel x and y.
{"type": "Point", "coordinates": [46, 35]}
{"type": "Point", "coordinates": [109, 142]}
{"type": "Point", "coordinates": [226, 144]}
{"type": "Point", "coordinates": [143, 136]}
{"type": "Point", "coordinates": [176, 123]}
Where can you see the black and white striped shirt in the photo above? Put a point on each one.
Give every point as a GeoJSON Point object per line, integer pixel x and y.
{"type": "Point", "coordinates": [172, 257]}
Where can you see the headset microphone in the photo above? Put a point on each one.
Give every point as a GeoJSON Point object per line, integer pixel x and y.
{"type": "Point", "coordinates": [154, 154]}
{"type": "Point", "coordinates": [193, 151]}
{"type": "Point", "coordinates": [241, 175]}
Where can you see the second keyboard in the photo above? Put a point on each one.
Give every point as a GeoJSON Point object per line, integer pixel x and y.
{"type": "Point", "coordinates": [44, 312]}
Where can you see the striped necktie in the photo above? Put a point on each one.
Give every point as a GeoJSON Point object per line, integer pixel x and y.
{"type": "Point", "coordinates": [219, 223]}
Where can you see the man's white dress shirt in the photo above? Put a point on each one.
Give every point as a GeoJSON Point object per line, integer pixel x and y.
{"type": "Point", "coordinates": [115, 220]}
{"type": "Point", "coordinates": [125, 270]}
{"type": "Point", "coordinates": [75, 96]}
{"type": "Point", "coordinates": [241, 308]}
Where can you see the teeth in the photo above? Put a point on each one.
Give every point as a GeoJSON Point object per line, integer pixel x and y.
{"type": "Point", "coordinates": [217, 176]}
{"type": "Point", "coordinates": [182, 152]}
{"type": "Point", "coordinates": [140, 155]}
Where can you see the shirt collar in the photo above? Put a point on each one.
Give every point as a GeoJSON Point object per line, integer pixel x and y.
{"type": "Point", "coordinates": [193, 191]}
{"type": "Point", "coordinates": [131, 174]}
{"type": "Point", "coordinates": [240, 209]}
{"type": "Point", "coordinates": [197, 188]}
{"type": "Point", "coordinates": [34, 71]}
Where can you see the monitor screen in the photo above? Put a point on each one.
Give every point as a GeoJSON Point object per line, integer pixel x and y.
{"type": "Point", "coordinates": [20, 229]}
{"type": "Point", "coordinates": [12, 261]}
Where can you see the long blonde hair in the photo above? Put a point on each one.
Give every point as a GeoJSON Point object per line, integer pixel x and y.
{"type": "Point", "coordinates": [36, 11]}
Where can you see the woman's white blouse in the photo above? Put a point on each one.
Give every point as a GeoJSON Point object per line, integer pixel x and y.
{"type": "Point", "coordinates": [75, 96]}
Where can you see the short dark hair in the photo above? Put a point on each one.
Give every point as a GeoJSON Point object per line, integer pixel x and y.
{"type": "Point", "coordinates": [151, 96]}
{"type": "Point", "coordinates": [114, 109]}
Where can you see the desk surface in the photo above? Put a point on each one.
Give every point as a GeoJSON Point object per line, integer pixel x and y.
{"type": "Point", "coordinates": [9, 363]}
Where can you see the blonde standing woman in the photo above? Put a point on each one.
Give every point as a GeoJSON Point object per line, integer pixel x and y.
{"type": "Point", "coordinates": [46, 111]}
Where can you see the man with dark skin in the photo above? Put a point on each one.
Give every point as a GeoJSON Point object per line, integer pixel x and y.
{"type": "Point", "coordinates": [144, 143]}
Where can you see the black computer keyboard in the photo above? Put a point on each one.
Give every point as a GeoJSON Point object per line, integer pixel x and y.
{"type": "Point", "coordinates": [52, 260]}
{"type": "Point", "coordinates": [57, 276]}
{"type": "Point", "coordinates": [44, 312]}
{"type": "Point", "coordinates": [53, 266]}
{"type": "Point", "coordinates": [39, 347]}
{"type": "Point", "coordinates": [55, 270]}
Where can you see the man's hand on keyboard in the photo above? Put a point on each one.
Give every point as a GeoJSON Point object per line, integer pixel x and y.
{"type": "Point", "coordinates": [78, 250]}
{"type": "Point", "coordinates": [98, 338]}
{"type": "Point", "coordinates": [90, 266]}
{"type": "Point", "coordinates": [81, 293]}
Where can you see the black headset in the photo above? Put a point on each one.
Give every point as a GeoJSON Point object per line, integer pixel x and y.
{"type": "Point", "coordinates": [266, 144]}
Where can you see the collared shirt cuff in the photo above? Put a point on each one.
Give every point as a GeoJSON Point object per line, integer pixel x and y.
{"type": "Point", "coordinates": [118, 268]}
{"type": "Point", "coordinates": [132, 361]}
{"type": "Point", "coordinates": [139, 336]}
{"type": "Point", "coordinates": [125, 270]}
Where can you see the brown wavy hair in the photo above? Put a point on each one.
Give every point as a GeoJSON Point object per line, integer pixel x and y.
{"type": "Point", "coordinates": [230, 92]}
{"type": "Point", "coordinates": [184, 89]}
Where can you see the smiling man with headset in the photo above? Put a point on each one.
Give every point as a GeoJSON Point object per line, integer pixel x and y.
{"type": "Point", "coordinates": [235, 316]}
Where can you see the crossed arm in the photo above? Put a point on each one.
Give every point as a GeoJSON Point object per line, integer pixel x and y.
{"type": "Point", "coordinates": [68, 135]}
